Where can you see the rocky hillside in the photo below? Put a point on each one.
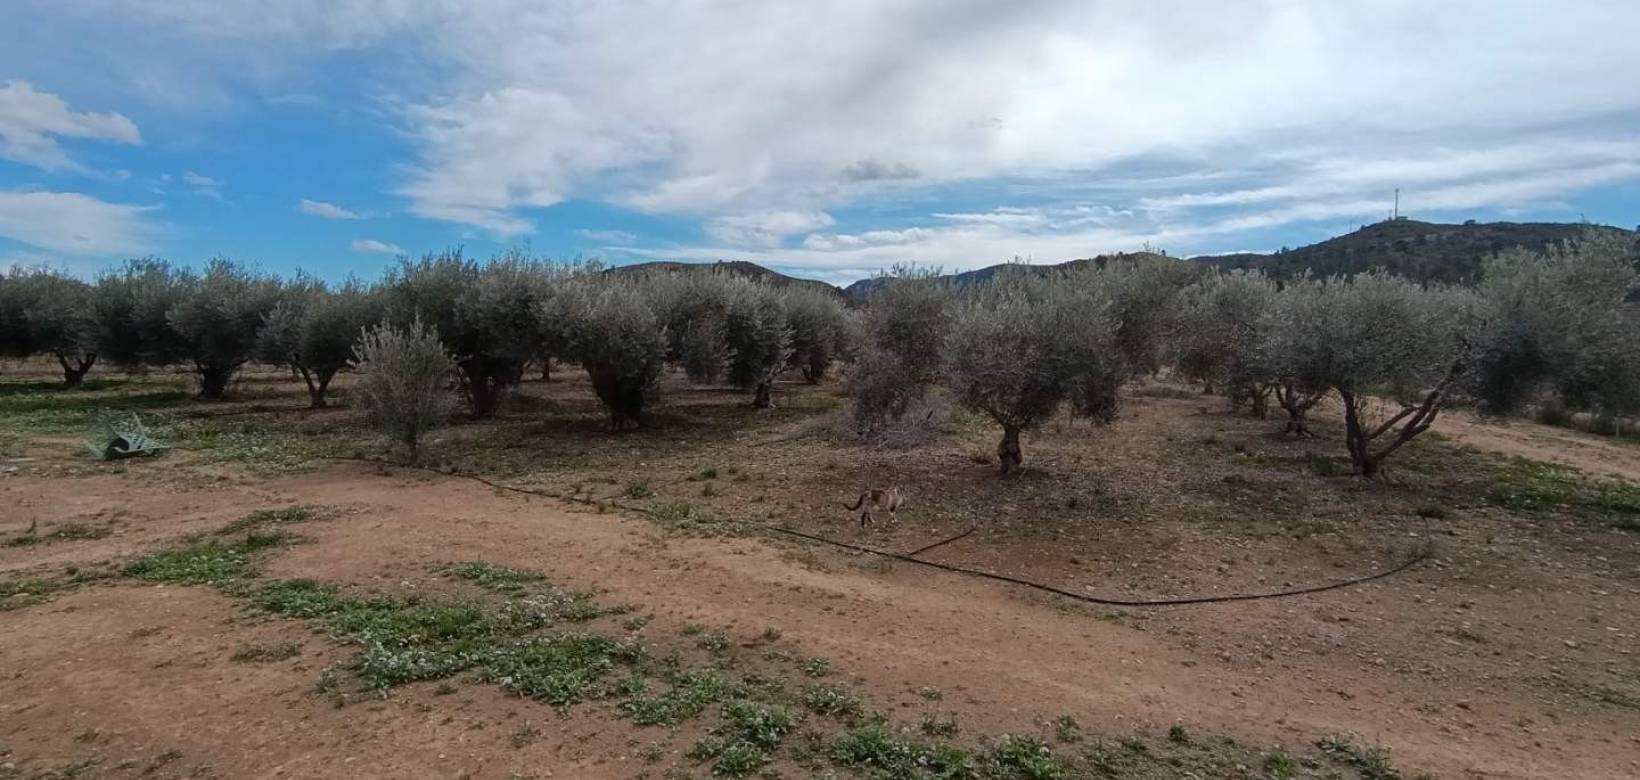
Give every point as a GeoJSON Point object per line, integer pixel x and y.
{"type": "Point", "coordinates": [1421, 250]}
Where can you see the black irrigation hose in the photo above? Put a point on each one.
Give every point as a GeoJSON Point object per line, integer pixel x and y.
{"type": "Point", "coordinates": [942, 542]}
{"type": "Point", "coordinates": [1422, 555]}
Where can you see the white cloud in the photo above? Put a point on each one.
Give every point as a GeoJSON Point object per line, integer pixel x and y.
{"type": "Point", "coordinates": [31, 121]}
{"type": "Point", "coordinates": [1165, 119]}
{"type": "Point", "coordinates": [766, 228]}
{"type": "Point", "coordinates": [200, 181]}
{"type": "Point", "coordinates": [608, 236]}
{"type": "Point", "coordinates": [74, 223]}
{"type": "Point", "coordinates": [319, 208]}
{"type": "Point", "coordinates": [372, 246]}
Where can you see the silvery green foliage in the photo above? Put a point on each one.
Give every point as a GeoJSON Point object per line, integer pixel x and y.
{"type": "Point", "coordinates": [758, 337]}
{"type": "Point", "coordinates": [1021, 346]}
{"type": "Point", "coordinates": [1370, 336]}
{"type": "Point", "coordinates": [216, 320]}
{"type": "Point", "coordinates": [1218, 328]}
{"type": "Point", "coordinates": [694, 307]}
{"type": "Point", "coordinates": [313, 330]}
{"type": "Point", "coordinates": [613, 330]}
{"type": "Point", "coordinates": [820, 331]}
{"type": "Point", "coordinates": [1558, 330]}
{"type": "Point", "coordinates": [129, 322]}
{"type": "Point", "coordinates": [486, 314]}
{"type": "Point", "coordinates": [46, 312]}
{"type": "Point", "coordinates": [901, 343]}
{"type": "Point", "coordinates": [1143, 291]}
{"type": "Point", "coordinates": [403, 383]}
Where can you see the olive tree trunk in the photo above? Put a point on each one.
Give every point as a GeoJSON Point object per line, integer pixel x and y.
{"type": "Point", "coordinates": [1009, 455]}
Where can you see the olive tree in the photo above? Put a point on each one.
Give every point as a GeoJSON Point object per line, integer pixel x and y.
{"type": "Point", "coordinates": [695, 308]}
{"type": "Point", "coordinates": [216, 320]}
{"type": "Point", "coordinates": [1143, 291]}
{"type": "Point", "coordinates": [1020, 347]}
{"type": "Point", "coordinates": [819, 331]}
{"type": "Point", "coordinates": [612, 329]}
{"type": "Point", "coordinates": [1378, 336]}
{"type": "Point", "coordinates": [902, 336]}
{"type": "Point", "coordinates": [1220, 322]}
{"type": "Point", "coordinates": [46, 312]}
{"type": "Point", "coordinates": [758, 337]}
{"type": "Point", "coordinates": [403, 384]}
{"type": "Point", "coordinates": [129, 321]}
{"type": "Point", "coordinates": [1296, 381]}
{"type": "Point", "coordinates": [314, 330]}
{"type": "Point", "coordinates": [486, 315]}
{"type": "Point", "coordinates": [1558, 330]}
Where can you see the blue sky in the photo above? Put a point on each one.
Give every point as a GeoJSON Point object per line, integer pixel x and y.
{"type": "Point", "coordinates": [827, 140]}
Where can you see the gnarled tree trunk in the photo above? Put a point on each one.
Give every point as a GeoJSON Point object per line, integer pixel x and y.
{"type": "Point", "coordinates": [213, 380]}
{"type": "Point", "coordinates": [74, 370]}
{"type": "Point", "coordinates": [1009, 455]}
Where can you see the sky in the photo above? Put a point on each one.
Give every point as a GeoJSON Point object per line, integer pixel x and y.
{"type": "Point", "coordinates": [827, 140]}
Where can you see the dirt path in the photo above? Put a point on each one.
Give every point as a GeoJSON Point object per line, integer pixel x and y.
{"type": "Point", "coordinates": [1594, 455]}
{"type": "Point", "coordinates": [143, 670]}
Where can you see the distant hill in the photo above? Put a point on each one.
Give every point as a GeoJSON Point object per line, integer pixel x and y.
{"type": "Point", "coordinates": [1426, 251]}
{"type": "Point", "coordinates": [737, 267]}
{"type": "Point", "coordinates": [864, 288]}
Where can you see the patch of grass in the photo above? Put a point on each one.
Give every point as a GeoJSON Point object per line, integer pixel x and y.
{"type": "Point", "coordinates": [503, 579]}
{"type": "Point", "coordinates": [713, 641]}
{"type": "Point", "coordinates": [690, 693]}
{"type": "Point", "coordinates": [934, 726]}
{"type": "Point", "coordinates": [1066, 729]}
{"type": "Point", "coordinates": [300, 598]}
{"type": "Point", "coordinates": [876, 750]}
{"type": "Point", "coordinates": [558, 670]}
{"type": "Point", "coordinates": [831, 701]}
{"type": "Point", "coordinates": [744, 739]}
{"type": "Point", "coordinates": [637, 490]}
{"type": "Point", "coordinates": [206, 562]}
{"type": "Point", "coordinates": [1280, 765]}
{"type": "Point", "coordinates": [1025, 758]}
{"type": "Point", "coordinates": [262, 518]}
{"type": "Point", "coordinates": [256, 652]}
{"type": "Point", "coordinates": [1372, 763]}
{"type": "Point", "coordinates": [1531, 486]}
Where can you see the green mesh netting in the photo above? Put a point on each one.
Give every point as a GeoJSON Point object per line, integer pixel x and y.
{"type": "Point", "coordinates": [115, 435]}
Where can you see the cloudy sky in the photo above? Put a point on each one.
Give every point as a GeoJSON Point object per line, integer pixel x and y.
{"type": "Point", "coordinates": [827, 139]}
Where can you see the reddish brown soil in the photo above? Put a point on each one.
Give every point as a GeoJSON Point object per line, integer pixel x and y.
{"type": "Point", "coordinates": [1484, 662]}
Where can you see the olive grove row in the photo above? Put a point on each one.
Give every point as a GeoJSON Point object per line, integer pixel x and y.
{"type": "Point", "coordinates": [1552, 327]}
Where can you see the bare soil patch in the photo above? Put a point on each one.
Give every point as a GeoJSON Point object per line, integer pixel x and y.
{"type": "Point", "coordinates": [1509, 654]}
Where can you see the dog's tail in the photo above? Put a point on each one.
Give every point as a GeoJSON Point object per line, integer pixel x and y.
{"type": "Point", "coordinates": [858, 503]}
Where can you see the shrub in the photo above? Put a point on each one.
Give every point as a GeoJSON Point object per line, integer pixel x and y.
{"type": "Point", "coordinates": [404, 375]}
{"type": "Point", "coordinates": [216, 320]}
{"type": "Point", "coordinates": [313, 330]}
{"type": "Point", "coordinates": [616, 335]}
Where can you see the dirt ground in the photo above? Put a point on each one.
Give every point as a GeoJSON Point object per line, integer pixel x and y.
{"type": "Point", "coordinates": [1508, 653]}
